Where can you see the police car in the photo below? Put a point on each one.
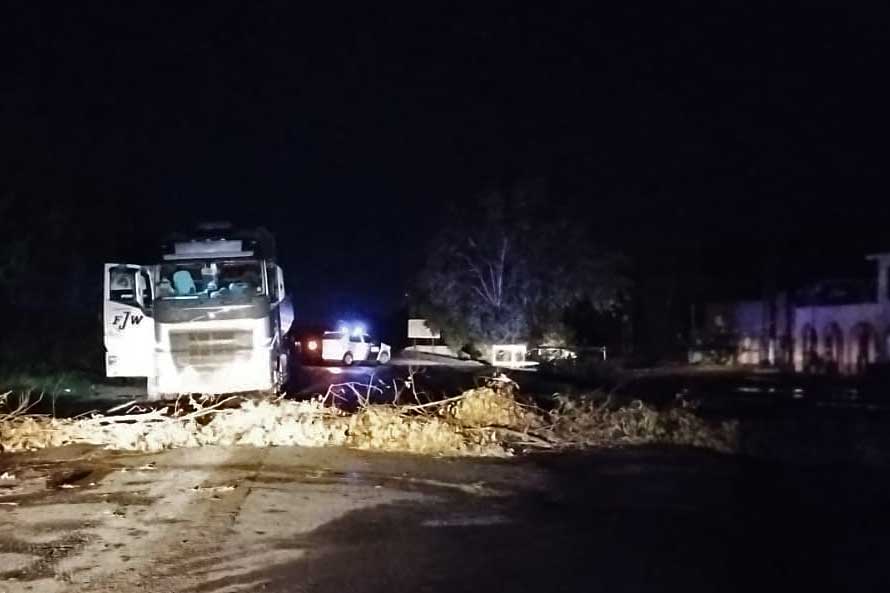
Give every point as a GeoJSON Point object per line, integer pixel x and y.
{"type": "Point", "coordinates": [343, 345]}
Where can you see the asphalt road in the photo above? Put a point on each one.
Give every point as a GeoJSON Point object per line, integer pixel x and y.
{"type": "Point", "coordinates": [429, 378]}
{"type": "Point", "coordinates": [334, 520]}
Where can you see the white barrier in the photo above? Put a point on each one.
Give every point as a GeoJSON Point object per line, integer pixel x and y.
{"type": "Point", "coordinates": [510, 356]}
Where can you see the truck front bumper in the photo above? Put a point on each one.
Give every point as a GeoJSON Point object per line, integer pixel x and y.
{"type": "Point", "coordinates": [233, 372]}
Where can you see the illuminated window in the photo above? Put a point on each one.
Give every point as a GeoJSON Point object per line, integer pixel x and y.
{"type": "Point", "coordinates": [122, 284]}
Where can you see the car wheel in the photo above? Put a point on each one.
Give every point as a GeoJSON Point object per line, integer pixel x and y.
{"type": "Point", "coordinates": [383, 358]}
{"type": "Point", "coordinates": [347, 359]}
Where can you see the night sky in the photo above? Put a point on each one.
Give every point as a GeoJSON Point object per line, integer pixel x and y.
{"type": "Point", "coordinates": [722, 133]}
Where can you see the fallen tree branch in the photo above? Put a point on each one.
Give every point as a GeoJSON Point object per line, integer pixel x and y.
{"type": "Point", "coordinates": [526, 438]}
{"type": "Point", "coordinates": [208, 409]}
{"type": "Point", "coordinates": [432, 404]}
{"type": "Point", "coordinates": [155, 415]}
{"type": "Point", "coordinates": [22, 408]}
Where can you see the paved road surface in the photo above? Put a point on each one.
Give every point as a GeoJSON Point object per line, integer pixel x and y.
{"type": "Point", "coordinates": [334, 520]}
{"type": "Point", "coordinates": [434, 377]}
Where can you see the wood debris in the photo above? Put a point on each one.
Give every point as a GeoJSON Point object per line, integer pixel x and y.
{"type": "Point", "coordinates": [485, 421]}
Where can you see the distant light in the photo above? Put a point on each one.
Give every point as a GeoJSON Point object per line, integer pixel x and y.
{"type": "Point", "coordinates": [344, 329]}
{"type": "Point", "coordinates": [358, 330]}
{"type": "Point", "coordinates": [312, 345]}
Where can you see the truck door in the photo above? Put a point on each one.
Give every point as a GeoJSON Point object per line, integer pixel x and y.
{"type": "Point", "coordinates": [128, 324]}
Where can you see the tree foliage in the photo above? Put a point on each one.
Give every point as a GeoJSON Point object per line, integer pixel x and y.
{"type": "Point", "coordinates": [52, 250]}
{"type": "Point", "coordinates": [509, 270]}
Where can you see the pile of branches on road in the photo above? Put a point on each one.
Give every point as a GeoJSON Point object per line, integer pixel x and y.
{"type": "Point", "coordinates": [486, 421]}
{"type": "Point", "coordinates": [21, 431]}
{"type": "Point", "coordinates": [592, 422]}
{"type": "Point", "coordinates": [187, 422]}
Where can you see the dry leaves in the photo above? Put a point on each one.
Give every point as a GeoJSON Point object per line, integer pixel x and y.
{"type": "Point", "coordinates": [585, 422]}
{"type": "Point", "coordinates": [486, 421]}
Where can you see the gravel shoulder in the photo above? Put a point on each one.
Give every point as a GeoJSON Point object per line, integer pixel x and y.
{"type": "Point", "coordinates": [82, 519]}
{"type": "Point", "coordinates": [333, 519]}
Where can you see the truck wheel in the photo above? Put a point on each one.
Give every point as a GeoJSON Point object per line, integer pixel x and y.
{"type": "Point", "coordinates": [347, 359]}
{"type": "Point", "coordinates": [281, 376]}
{"type": "Point", "coordinates": [383, 358]}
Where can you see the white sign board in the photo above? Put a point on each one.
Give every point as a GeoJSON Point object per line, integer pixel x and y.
{"type": "Point", "coordinates": [419, 330]}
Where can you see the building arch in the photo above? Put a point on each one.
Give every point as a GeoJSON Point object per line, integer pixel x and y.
{"type": "Point", "coordinates": [886, 353]}
{"type": "Point", "coordinates": [809, 342]}
{"type": "Point", "coordinates": [833, 346]}
{"type": "Point", "coordinates": [863, 346]}
{"type": "Point", "coordinates": [749, 350]}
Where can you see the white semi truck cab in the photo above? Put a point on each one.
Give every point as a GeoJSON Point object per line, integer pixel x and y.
{"type": "Point", "coordinates": [208, 318]}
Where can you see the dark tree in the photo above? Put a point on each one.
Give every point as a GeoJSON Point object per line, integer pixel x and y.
{"type": "Point", "coordinates": [510, 269]}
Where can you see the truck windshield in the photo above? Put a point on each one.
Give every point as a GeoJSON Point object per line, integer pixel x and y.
{"type": "Point", "coordinates": [212, 279]}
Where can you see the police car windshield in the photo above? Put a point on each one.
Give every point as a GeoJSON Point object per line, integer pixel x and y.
{"type": "Point", "coordinates": [227, 280]}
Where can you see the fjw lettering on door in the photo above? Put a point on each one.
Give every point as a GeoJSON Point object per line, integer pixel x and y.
{"type": "Point", "coordinates": [121, 320]}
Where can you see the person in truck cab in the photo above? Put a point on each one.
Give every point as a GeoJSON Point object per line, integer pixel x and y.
{"type": "Point", "coordinates": [165, 288]}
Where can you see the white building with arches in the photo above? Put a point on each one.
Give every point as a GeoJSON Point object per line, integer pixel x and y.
{"type": "Point", "coordinates": [845, 338]}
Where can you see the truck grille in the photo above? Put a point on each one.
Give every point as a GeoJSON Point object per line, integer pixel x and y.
{"type": "Point", "coordinates": [210, 347]}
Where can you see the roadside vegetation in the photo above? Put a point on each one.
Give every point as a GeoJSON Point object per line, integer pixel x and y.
{"type": "Point", "coordinates": [56, 355]}
{"type": "Point", "coordinates": [519, 269]}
